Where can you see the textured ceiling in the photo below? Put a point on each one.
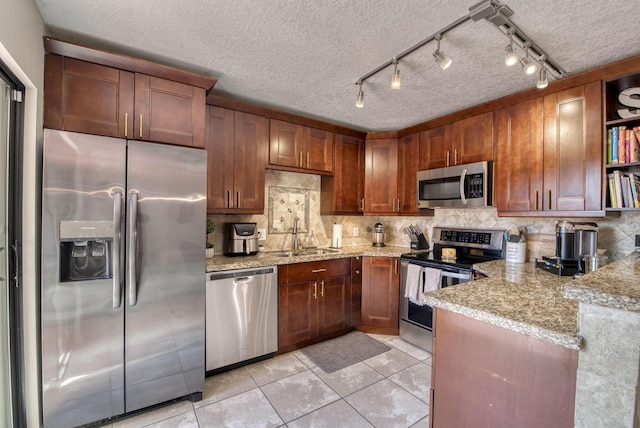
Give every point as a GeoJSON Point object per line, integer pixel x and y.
{"type": "Point", "coordinates": [304, 56]}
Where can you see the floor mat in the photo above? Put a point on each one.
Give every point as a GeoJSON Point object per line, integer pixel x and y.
{"type": "Point", "coordinates": [335, 354]}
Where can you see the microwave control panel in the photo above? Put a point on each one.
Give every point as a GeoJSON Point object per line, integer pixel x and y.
{"type": "Point", "coordinates": [474, 185]}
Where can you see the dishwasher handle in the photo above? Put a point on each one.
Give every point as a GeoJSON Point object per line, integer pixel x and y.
{"type": "Point", "coordinates": [243, 274]}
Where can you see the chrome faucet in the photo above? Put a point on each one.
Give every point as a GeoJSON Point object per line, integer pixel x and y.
{"type": "Point", "coordinates": [295, 244]}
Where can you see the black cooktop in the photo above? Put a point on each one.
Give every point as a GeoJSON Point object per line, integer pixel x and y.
{"type": "Point", "coordinates": [471, 246]}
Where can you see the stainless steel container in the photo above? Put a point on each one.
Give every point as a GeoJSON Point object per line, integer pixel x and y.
{"type": "Point", "coordinates": [240, 239]}
{"type": "Point", "coordinates": [586, 239]}
{"type": "Point", "coordinates": [378, 235]}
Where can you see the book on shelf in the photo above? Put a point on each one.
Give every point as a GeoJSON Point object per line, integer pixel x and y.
{"type": "Point", "coordinates": [609, 146]}
{"type": "Point", "coordinates": [624, 190]}
{"type": "Point", "coordinates": [622, 148]}
{"type": "Point", "coordinates": [633, 141]}
{"type": "Point", "coordinates": [635, 189]}
{"type": "Point", "coordinates": [612, 191]}
{"type": "Point", "coordinates": [614, 145]}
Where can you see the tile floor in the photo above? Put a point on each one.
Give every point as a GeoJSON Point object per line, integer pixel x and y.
{"type": "Point", "coordinates": [388, 390]}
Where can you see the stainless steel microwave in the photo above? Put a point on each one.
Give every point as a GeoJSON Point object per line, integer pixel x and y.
{"type": "Point", "coordinates": [460, 186]}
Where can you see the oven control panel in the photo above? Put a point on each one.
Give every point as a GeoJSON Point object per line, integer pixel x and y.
{"type": "Point", "coordinates": [492, 239]}
{"type": "Point", "coordinates": [454, 236]}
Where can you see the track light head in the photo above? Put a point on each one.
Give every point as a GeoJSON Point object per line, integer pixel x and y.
{"type": "Point", "coordinates": [543, 81]}
{"type": "Point", "coordinates": [360, 100]}
{"type": "Point", "coordinates": [395, 79]}
{"type": "Point", "coordinates": [510, 57]}
{"type": "Point", "coordinates": [440, 57]}
{"type": "Point", "coordinates": [528, 66]}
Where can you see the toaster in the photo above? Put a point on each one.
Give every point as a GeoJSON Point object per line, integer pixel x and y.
{"type": "Point", "coordinates": [240, 239]}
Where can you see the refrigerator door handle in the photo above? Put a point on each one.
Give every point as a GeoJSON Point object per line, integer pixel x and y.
{"type": "Point", "coordinates": [117, 213]}
{"type": "Point", "coordinates": [131, 250]}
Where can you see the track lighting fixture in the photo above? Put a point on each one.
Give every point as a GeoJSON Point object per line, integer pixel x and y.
{"type": "Point", "coordinates": [500, 16]}
{"type": "Point", "coordinates": [441, 58]}
{"type": "Point", "coordinates": [510, 57]}
{"type": "Point", "coordinates": [395, 80]}
{"type": "Point", "coordinates": [528, 66]}
{"type": "Point", "coordinates": [542, 82]}
{"type": "Point", "coordinates": [360, 100]}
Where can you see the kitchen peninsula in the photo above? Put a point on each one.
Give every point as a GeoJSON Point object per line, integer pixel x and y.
{"type": "Point", "coordinates": [524, 347]}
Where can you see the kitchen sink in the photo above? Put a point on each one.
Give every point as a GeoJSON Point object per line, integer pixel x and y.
{"type": "Point", "coordinates": [309, 252]}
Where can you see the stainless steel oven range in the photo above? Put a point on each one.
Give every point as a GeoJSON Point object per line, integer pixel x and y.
{"type": "Point", "coordinates": [469, 246]}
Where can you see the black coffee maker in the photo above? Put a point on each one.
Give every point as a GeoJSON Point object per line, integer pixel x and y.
{"type": "Point", "coordinates": [573, 242]}
{"type": "Point", "coordinates": [565, 240]}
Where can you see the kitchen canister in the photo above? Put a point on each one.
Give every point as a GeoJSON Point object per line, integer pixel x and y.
{"type": "Point", "coordinates": [516, 252]}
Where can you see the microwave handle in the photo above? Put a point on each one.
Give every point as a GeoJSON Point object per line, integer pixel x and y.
{"type": "Point", "coordinates": [463, 197]}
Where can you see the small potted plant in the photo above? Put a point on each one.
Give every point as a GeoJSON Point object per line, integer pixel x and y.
{"type": "Point", "coordinates": [211, 226]}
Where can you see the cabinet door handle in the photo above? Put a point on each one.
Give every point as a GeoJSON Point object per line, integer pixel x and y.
{"type": "Point", "coordinates": [228, 199]}
{"type": "Point", "coordinates": [448, 157]}
{"type": "Point", "coordinates": [455, 157]}
{"type": "Point", "coordinates": [549, 198]}
{"type": "Point", "coordinates": [362, 204]}
{"type": "Point", "coordinates": [300, 160]}
{"type": "Point", "coordinates": [318, 270]}
{"type": "Point", "coordinates": [238, 199]}
{"type": "Point", "coordinates": [395, 266]}
{"type": "Point", "coordinates": [126, 124]}
{"type": "Point", "coordinates": [398, 204]}
{"type": "Point", "coordinates": [322, 288]}
{"type": "Point", "coordinates": [315, 290]}
{"type": "Point", "coordinates": [536, 202]}
{"type": "Point", "coordinates": [357, 271]}
{"type": "Point", "coordinates": [140, 125]}
{"type": "Point", "coordinates": [307, 160]}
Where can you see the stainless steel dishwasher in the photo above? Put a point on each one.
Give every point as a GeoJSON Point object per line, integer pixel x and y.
{"type": "Point", "coordinates": [241, 316]}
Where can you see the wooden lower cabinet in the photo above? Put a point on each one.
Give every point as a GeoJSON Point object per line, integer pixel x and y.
{"type": "Point", "coordinates": [489, 376]}
{"type": "Point", "coordinates": [356, 291]}
{"type": "Point", "coordinates": [313, 301]}
{"type": "Point", "coordinates": [380, 294]}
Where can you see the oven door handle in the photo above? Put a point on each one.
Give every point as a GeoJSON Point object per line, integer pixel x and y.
{"type": "Point", "coordinates": [463, 197]}
{"type": "Point", "coordinates": [465, 276]}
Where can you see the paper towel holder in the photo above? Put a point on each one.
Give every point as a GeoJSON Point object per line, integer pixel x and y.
{"type": "Point", "coordinates": [336, 239]}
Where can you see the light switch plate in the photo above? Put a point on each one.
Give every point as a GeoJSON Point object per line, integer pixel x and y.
{"type": "Point", "coordinates": [262, 234]}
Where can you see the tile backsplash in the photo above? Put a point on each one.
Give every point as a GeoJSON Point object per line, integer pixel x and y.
{"type": "Point", "coordinates": [616, 235]}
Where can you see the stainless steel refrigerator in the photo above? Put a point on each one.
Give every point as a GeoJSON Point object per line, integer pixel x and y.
{"type": "Point", "coordinates": [123, 290]}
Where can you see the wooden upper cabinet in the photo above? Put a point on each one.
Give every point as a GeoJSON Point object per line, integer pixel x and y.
{"type": "Point", "coordinates": [472, 139]}
{"type": "Point", "coordinates": [318, 149]}
{"type": "Point", "coordinates": [407, 169]}
{"type": "Point", "coordinates": [96, 99]}
{"type": "Point", "coordinates": [84, 97]}
{"type": "Point", "coordinates": [549, 154]}
{"type": "Point", "coordinates": [573, 149]}
{"type": "Point", "coordinates": [286, 144]}
{"type": "Point", "coordinates": [168, 112]}
{"type": "Point", "coordinates": [300, 147]}
{"type": "Point", "coordinates": [435, 147]}
{"type": "Point", "coordinates": [465, 141]}
{"type": "Point", "coordinates": [343, 193]}
{"type": "Point", "coordinates": [518, 183]}
{"type": "Point", "coordinates": [381, 176]}
{"type": "Point", "coordinates": [237, 147]}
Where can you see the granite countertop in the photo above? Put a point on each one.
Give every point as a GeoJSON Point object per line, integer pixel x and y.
{"type": "Point", "coordinates": [221, 262]}
{"type": "Point", "coordinates": [516, 296]}
{"type": "Point", "coordinates": [616, 285]}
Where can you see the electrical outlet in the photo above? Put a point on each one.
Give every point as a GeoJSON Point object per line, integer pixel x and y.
{"type": "Point", "coordinates": [355, 231]}
{"type": "Point", "coordinates": [262, 234]}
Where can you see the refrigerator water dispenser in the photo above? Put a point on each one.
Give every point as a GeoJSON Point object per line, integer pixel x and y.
{"type": "Point", "coordinates": [85, 250]}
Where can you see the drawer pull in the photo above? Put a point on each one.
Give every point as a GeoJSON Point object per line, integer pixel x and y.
{"type": "Point", "coordinates": [321, 288]}
{"type": "Point", "coordinates": [318, 270]}
{"type": "Point", "coordinates": [126, 124]}
{"type": "Point", "coordinates": [315, 290]}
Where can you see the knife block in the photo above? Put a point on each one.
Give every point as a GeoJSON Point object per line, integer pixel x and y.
{"type": "Point", "coordinates": [420, 244]}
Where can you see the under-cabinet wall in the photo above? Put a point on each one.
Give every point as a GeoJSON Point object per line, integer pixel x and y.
{"type": "Point", "coordinates": [616, 234]}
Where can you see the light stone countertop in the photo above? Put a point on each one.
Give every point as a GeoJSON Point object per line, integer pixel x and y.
{"type": "Point", "coordinates": [616, 285]}
{"type": "Point", "coordinates": [518, 297]}
{"type": "Point", "coordinates": [221, 262]}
